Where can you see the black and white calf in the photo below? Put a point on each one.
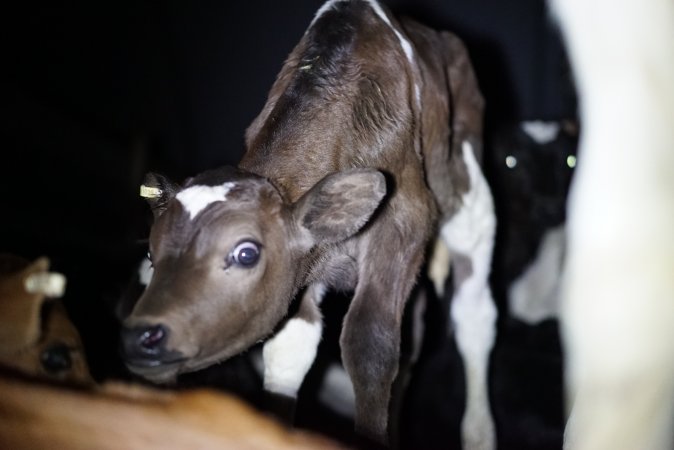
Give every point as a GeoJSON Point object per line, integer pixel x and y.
{"type": "Point", "coordinates": [531, 166]}
{"type": "Point", "coordinates": [369, 143]}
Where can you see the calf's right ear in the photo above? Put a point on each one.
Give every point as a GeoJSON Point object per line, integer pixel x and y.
{"type": "Point", "coordinates": [158, 190]}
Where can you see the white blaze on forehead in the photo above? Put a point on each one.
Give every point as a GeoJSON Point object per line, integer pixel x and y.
{"type": "Point", "coordinates": [541, 132]}
{"type": "Point", "coordinates": [196, 198]}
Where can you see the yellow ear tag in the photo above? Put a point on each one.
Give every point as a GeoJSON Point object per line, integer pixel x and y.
{"type": "Point", "coordinates": [50, 284]}
{"type": "Point", "coordinates": [149, 192]}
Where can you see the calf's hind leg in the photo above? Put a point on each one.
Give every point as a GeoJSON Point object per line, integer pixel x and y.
{"type": "Point", "coordinates": [469, 235]}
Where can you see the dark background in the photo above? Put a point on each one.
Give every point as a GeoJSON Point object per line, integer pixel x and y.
{"type": "Point", "coordinates": [95, 94]}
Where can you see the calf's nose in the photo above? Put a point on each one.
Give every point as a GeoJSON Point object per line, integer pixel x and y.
{"type": "Point", "coordinates": [144, 342]}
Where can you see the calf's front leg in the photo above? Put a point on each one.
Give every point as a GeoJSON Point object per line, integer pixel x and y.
{"type": "Point", "coordinates": [370, 340]}
{"type": "Point", "coordinates": [289, 354]}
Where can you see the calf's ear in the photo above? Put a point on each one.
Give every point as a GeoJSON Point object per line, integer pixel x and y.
{"type": "Point", "coordinates": [339, 205]}
{"type": "Point", "coordinates": [158, 190]}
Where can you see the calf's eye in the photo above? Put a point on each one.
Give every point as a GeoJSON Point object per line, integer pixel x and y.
{"type": "Point", "coordinates": [246, 254]}
{"type": "Point", "coordinates": [511, 162]}
{"type": "Point", "coordinates": [56, 359]}
{"type": "Point", "coordinates": [571, 161]}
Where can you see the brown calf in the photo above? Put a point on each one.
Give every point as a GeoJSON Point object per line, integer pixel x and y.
{"type": "Point", "coordinates": [121, 416]}
{"type": "Point", "coordinates": [36, 335]}
{"type": "Point", "coordinates": [368, 145]}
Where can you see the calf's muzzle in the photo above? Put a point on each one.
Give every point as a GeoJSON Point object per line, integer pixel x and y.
{"type": "Point", "coordinates": [145, 346]}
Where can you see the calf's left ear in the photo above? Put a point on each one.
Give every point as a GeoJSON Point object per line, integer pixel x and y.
{"type": "Point", "coordinates": [339, 205]}
{"type": "Point", "coordinates": [158, 190]}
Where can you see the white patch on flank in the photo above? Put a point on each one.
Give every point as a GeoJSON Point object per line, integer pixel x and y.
{"type": "Point", "coordinates": [470, 232]}
{"type": "Point", "coordinates": [472, 228]}
{"type": "Point", "coordinates": [541, 132]}
{"type": "Point", "coordinates": [195, 198]}
{"type": "Point", "coordinates": [145, 272]}
{"type": "Point", "coordinates": [288, 356]}
{"type": "Point", "coordinates": [534, 296]}
{"type": "Point", "coordinates": [337, 391]}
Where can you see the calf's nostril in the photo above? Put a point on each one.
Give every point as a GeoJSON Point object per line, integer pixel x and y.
{"type": "Point", "coordinates": [145, 342]}
{"type": "Point", "coordinates": [151, 338]}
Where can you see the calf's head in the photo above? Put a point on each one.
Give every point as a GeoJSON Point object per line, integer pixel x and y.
{"type": "Point", "coordinates": [229, 253]}
{"type": "Point", "coordinates": [36, 335]}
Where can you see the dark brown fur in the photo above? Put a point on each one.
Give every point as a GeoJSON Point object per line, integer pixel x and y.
{"type": "Point", "coordinates": [347, 179]}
